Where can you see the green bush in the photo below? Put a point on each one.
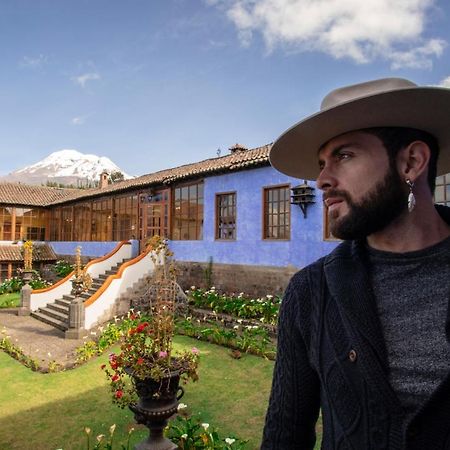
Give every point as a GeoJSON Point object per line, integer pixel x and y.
{"type": "Point", "coordinates": [62, 268]}
{"type": "Point", "coordinates": [15, 284]}
{"type": "Point", "coordinates": [264, 309]}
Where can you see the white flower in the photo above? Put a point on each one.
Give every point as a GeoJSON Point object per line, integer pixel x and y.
{"type": "Point", "coordinates": [112, 429]}
{"type": "Point", "coordinates": [184, 436]}
{"type": "Point", "coordinates": [182, 406]}
{"type": "Point", "coordinates": [269, 296]}
{"type": "Point", "coordinates": [230, 441]}
{"type": "Point", "coordinates": [100, 437]}
{"type": "Point", "coordinates": [239, 320]}
{"type": "Point", "coordinates": [49, 354]}
{"type": "Point", "coordinates": [205, 426]}
{"type": "Point", "coordinates": [192, 288]}
{"type": "Point", "coordinates": [236, 327]}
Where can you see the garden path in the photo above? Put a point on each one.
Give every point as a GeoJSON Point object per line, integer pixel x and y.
{"type": "Point", "coordinates": [39, 341]}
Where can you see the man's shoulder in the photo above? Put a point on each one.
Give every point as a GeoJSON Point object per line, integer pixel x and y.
{"type": "Point", "coordinates": [312, 272]}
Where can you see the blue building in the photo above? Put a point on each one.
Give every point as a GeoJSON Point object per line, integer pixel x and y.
{"type": "Point", "coordinates": [230, 220]}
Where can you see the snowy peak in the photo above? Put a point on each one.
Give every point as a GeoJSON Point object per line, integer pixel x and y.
{"type": "Point", "coordinates": [68, 167]}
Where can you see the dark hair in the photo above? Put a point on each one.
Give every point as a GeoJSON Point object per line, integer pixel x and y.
{"type": "Point", "coordinates": [396, 138]}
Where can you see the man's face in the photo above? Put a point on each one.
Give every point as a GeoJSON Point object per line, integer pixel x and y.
{"type": "Point", "coordinates": [363, 193]}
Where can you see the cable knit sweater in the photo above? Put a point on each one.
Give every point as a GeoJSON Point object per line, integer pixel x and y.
{"type": "Point", "coordinates": [332, 357]}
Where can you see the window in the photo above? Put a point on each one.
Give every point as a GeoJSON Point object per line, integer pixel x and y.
{"type": "Point", "coordinates": [277, 213]}
{"type": "Point", "coordinates": [6, 214]}
{"type": "Point", "coordinates": [226, 216]}
{"type": "Point", "coordinates": [442, 191]}
{"type": "Point", "coordinates": [30, 223]}
{"type": "Point", "coordinates": [101, 221]}
{"type": "Point", "coordinates": [188, 212]}
{"type": "Point", "coordinates": [125, 217]}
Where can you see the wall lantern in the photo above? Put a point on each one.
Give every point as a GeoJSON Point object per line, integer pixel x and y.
{"type": "Point", "coordinates": [302, 195]}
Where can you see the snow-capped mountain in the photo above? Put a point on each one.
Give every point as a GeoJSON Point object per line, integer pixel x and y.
{"type": "Point", "coordinates": [68, 167]}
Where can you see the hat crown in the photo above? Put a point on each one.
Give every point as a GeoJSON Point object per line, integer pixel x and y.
{"type": "Point", "coordinates": [368, 88]}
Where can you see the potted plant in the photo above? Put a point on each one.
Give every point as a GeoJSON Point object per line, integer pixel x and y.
{"type": "Point", "coordinates": [145, 374]}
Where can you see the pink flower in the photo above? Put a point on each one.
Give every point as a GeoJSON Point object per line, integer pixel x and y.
{"type": "Point", "coordinates": [162, 354]}
{"type": "Point", "coordinates": [195, 350]}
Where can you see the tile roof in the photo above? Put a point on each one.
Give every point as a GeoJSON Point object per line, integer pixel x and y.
{"type": "Point", "coordinates": [41, 252]}
{"type": "Point", "coordinates": [238, 160]}
{"type": "Point", "coordinates": [26, 195]}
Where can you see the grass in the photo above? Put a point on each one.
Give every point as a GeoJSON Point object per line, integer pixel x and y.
{"type": "Point", "coordinates": [50, 411]}
{"type": "Point", "coordinates": [10, 300]}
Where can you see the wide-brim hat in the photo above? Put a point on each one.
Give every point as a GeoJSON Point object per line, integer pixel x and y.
{"type": "Point", "coordinates": [388, 102]}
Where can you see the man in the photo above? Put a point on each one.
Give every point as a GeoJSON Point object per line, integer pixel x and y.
{"type": "Point", "coordinates": [364, 332]}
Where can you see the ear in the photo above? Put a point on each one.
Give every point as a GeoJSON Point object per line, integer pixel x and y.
{"type": "Point", "coordinates": [413, 160]}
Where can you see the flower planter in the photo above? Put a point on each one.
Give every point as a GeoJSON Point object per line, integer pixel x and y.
{"type": "Point", "coordinates": [158, 400]}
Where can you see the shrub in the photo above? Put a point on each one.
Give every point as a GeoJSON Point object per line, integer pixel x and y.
{"type": "Point", "coordinates": [63, 268]}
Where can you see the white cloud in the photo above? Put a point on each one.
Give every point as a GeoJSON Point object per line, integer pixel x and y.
{"type": "Point", "coordinates": [361, 30]}
{"type": "Point", "coordinates": [445, 82]}
{"type": "Point", "coordinates": [33, 62]}
{"type": "Point", "coordinates": [78, 120]}
{"type": "Point", "coordinates": [83, 79]}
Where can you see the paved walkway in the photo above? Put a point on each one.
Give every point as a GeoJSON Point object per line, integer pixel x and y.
{"type": "Point", "coordinates": [38, 340]}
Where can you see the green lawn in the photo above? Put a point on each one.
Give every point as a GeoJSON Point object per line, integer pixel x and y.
{"type": "Point", "coordinates": [49, 411]}
{"type": "Point", "coordinates": [10, 300]}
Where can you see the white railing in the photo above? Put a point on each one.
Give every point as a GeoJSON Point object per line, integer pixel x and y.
{"type": "Point", "coordinates": [41, 297]}
{"type": "Point", "coordinates": [103, 300]}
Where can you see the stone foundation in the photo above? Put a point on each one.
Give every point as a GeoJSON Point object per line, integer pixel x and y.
{"type": "Point", "coordinates": [252, 280]}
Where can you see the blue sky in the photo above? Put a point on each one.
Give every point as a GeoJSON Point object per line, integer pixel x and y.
{"type": "Point", "coordinates": [154, 84]}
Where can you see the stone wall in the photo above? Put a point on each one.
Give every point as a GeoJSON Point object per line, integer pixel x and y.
{"type": "Point", "coordinates": [252, 280]}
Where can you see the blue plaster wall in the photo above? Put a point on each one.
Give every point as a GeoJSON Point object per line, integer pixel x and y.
{"type": "Point", "coordinates": [306, 243]}
{"type": "Point", "coordinates": [92, 249]}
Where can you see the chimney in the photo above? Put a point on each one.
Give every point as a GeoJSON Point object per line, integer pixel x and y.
{"type": "Point", "coordinates": [104, 180]}
{"type": "Point", "coordinates": [238, 148]}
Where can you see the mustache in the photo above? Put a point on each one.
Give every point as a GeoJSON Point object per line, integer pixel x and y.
{"type": "Point", "coordinates": [336, 193]}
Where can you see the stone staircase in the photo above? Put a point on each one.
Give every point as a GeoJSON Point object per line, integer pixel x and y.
{"type": "Point", "coordinates": [57, 313]}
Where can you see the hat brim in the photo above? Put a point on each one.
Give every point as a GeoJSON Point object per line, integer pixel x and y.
{"type": "Point", "coordinates": [295, 152]}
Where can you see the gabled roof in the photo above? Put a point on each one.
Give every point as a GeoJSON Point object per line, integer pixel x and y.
{"type": "Point", "coordinates": [41, 252]}
{"type": "Point", "coordinates": [235, 161]}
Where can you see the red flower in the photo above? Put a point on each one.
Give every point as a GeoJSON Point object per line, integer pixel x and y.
{"type": "Point", "coordinates": [119, 394]}
{"type": "Point", "coordinates": [113, 365]}
{"type": "Point", "coordinates": [115, 377]}
{"type": "Point", "coordinates": [140, 361]}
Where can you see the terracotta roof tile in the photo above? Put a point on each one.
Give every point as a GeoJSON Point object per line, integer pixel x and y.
{"type": "Point", "coordinates": [26, 195]}
{"type": "Point", "coordinates": [41, 252]}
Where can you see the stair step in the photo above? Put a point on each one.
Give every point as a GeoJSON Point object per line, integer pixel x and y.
{"type": "Point", "coordinates": [85, 295]}
{"type": "Point", "coordinates": [63, 302]}
{"type": "Point", "coordinates": [103, 277]}
{"type": "Point", "coordinates": [63, 326]}
{"type": "Point", "coordinates": [63, 309]}
{"type": "Point", "coordinates": [111, 272]}
{"type": "Point", "coordinates": [54, 314]}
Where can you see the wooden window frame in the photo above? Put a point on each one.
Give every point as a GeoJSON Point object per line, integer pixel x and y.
{"type": "Point", "coordinates": [199, 221]}
{"type": "Point", "coordinates": [217, 217]}
{"type": "Point", "coordinates": [265, 216]}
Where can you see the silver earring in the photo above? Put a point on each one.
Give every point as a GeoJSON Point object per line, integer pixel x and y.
{"type": "Point", "coordinates": [411, 198]}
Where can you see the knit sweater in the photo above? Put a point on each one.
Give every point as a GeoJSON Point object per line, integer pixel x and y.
{"type": "Point", "coordinates": [332, 356]}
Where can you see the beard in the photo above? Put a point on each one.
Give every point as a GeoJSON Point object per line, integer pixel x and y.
{"type": "Point", "coordinates": [386, 201]}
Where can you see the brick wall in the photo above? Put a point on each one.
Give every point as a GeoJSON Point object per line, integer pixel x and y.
{"type": "Point", "coordinates": [252, 280]}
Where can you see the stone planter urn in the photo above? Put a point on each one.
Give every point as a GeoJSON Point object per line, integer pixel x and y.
{"type": "Point", "coordinates": [158, 401]}
{"type": "Point", "coordinates": [25, 294]}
